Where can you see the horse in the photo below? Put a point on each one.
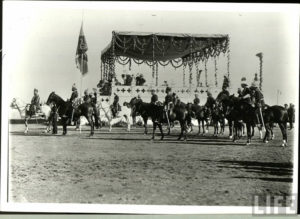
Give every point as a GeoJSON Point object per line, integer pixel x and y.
{"type": "Point", "coordinates": [239, 126]}
{"type": "Point", "coordinates": [201, 114]}
{"type": "Point", "coordinates": [178, 111]}
{"type": "Point", "coordinates": [217, 117]}
{"type": "Point", "coordinates": [140, 108]}
{"type": "Point", "coordinates": [105, 111]}
{"type": "Point", "coordinates": [275, 114]}
{"type": "Point", "coordinates": [26, 112]}
{"type": "Point", "coordinates": [238, 110]}
{"type": "Point", "coordinates": [66, 111]}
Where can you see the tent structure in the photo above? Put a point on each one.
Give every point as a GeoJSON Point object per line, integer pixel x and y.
{"type": "Point", "coordinates": [162, 49]}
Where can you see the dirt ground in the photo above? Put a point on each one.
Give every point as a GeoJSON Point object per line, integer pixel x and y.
{"type": "Point", "coordinates": [127, 168]}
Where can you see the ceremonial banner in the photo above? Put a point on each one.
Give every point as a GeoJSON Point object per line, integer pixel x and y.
{"type": "Point", "coordinates": [81, 56]}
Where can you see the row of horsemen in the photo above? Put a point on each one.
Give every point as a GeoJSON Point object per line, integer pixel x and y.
{"type": "Point", "coordinates": [252, 94]}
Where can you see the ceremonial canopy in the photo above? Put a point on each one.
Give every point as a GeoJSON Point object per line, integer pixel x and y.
{"type": "Point", "coordinates": [153, 49]}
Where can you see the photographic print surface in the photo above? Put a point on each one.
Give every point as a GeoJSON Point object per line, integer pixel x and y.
{"type": "Point", "coordinates": [132, 107]}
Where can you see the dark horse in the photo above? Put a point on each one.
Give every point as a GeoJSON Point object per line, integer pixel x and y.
{"type": "Point", "coordinates": [275, 114]}
{"type": "Point", "coordinates": [65, 111]}
{"type": "Point", "coordinates": [158, 115]}
{"type": "Point", "coordinates": [138, 107]}
{"type": "Point", "coordinates": [238, 110]}
{"type": "Point", "coordinates": [201, 113]}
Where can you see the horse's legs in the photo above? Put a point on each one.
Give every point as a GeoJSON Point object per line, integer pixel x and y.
{"type": "Point", "coordinates": [267, 134]}
{"type": "Point", "coordinates": [284, 134]}
{"type": "Point", "coordinates": [91, 122]}
{"type": "Point", "coordinates": [64, 122]}
{"type": "Point", "coordinates": [248, 127]}
{"type": "Point", "coordinates": [145, 125]}
{"type": "Point", "coordinates": [181, 132]}
{"type": "Point", "coordinates": [26, 124]}
{"type": "Point", "coordinates": [128, 123]}
{"type": "Point", "coordinates": [230, 128]}
{"type": "Point", "coordinates": [154, 128]}
{"type": "Point", "coordinates": [161, 131]}
{"type": "Point", "coordinates": [199, 126]}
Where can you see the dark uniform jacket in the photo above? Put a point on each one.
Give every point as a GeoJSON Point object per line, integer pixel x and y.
{"type": "Point", "coordinates": [74, 95]}
{"type": "Point", "coordinates": [154, 98]}
{"type": "Point", "coordinates": [169, 98]}
{"type": "Point", "coordinates": [257, 97]}
{"type": "Point", "coordinates": [210, 102]}
{"type": "Point", "coordinates": [196, 101]}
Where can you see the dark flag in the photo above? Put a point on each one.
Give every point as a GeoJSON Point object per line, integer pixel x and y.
{"type": "Point", "coordinates": [259, 55]}
{"type": "Point", "coordinates": [81, 56]}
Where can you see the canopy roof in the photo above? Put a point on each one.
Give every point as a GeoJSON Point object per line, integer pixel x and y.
{"type": "Point", "coordinates": [163, 47]}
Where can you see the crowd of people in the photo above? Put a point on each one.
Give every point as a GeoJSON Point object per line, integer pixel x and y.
{"type": "Point", "coordinates": [252, 94]}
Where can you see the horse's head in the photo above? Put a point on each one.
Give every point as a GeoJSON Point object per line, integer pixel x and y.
{"type": "Point", "coordinates": [51, 98]}
{"type": "Point", "coordinates": [54, 98]}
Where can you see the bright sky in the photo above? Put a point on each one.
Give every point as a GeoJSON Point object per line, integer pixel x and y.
{"type": "Point", "coordinates": [40, 39]}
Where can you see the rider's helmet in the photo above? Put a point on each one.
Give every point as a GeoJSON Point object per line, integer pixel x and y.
{"type": "Point", "coordinates": [168, 89]}
{"type": "Point", "coordinates": [86, 92]}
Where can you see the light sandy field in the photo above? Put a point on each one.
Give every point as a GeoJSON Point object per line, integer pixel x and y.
{"type": "Point", "coordinates": [127, 168]}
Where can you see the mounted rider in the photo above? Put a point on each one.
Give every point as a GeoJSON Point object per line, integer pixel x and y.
{"type": "Point", "coordinates": [246, 92]}
{"type": "Point", "coordinates": [35, 102]}
{"type": "Point", "coordinates": [115, 107]}
{"type": "Point", "coordinates": [196, 100]}
{"type": "Point", "coordinates": [74, 94]}
{"type": "Point", "coordinates": [154, 97]}
{"type": "Point", "coordinates": [257, 98]}
{"type": "Point", "coordinates": [169, 98]}
{"type": "Point", "coordinates": [210, 101]}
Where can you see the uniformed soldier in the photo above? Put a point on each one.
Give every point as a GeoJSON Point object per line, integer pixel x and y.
{"type": "Point", "coordinates": [291, 115]}
{"type": "Point", "coordinates": [74, 94]}
{"type": "Point", "coordinates": [239, 91]}
{"type": "Point", "coordinates": [246, 92]}
{"type": "Point", "coordinates": [210, 101]}
{"type": "Point", "coordinates": [115, 108]}
{"type": "Point", "coordinates": [258, 99]}
{"type": "Point", "coordinates": [169, 98]}
{"type": "Point", "coordinates": [54, 116]}
{"type": "Point", "coordinates": [87, 96]}
{"type": "Point", "coordinates": [35, 101]}
{"type": "Point", "coordinates": [93, 97]}
{"type": "Point", "coordinates": [154, 97]}
{"type": "Point", "coordinates": [224, 87]}
{"type": "Point", "coordinates": [196, 100]}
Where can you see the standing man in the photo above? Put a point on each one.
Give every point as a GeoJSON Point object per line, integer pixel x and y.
{"type": "Point", "coordinates": [115, 108]}
{"type": "Point", "coordinates": [291, 115]}
{"type": "Point", "coordinates": [54, 117]}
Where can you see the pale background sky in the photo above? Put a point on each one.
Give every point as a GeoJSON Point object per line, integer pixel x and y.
{"type": "Point", "coordinates": [39, 44]}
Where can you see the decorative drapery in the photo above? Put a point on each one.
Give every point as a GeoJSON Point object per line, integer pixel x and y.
{"type": "Point", "coordinates": [163, 49]}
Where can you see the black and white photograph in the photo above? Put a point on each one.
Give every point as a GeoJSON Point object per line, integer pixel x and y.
{"type": "Point", "coordinates": [149, 107]}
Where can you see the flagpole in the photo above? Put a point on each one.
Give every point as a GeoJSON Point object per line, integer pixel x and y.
{"type": "Point", "coordinates": [81, 76]}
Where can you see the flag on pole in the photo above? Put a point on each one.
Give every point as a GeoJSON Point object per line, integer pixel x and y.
{"type": "Point", "coordinates": [81, 58]}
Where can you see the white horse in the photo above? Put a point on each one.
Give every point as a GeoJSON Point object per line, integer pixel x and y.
{"type": "Point", "coordinates": [23, 109]}
{"type": "Point", "coordinates": [106, 115]}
